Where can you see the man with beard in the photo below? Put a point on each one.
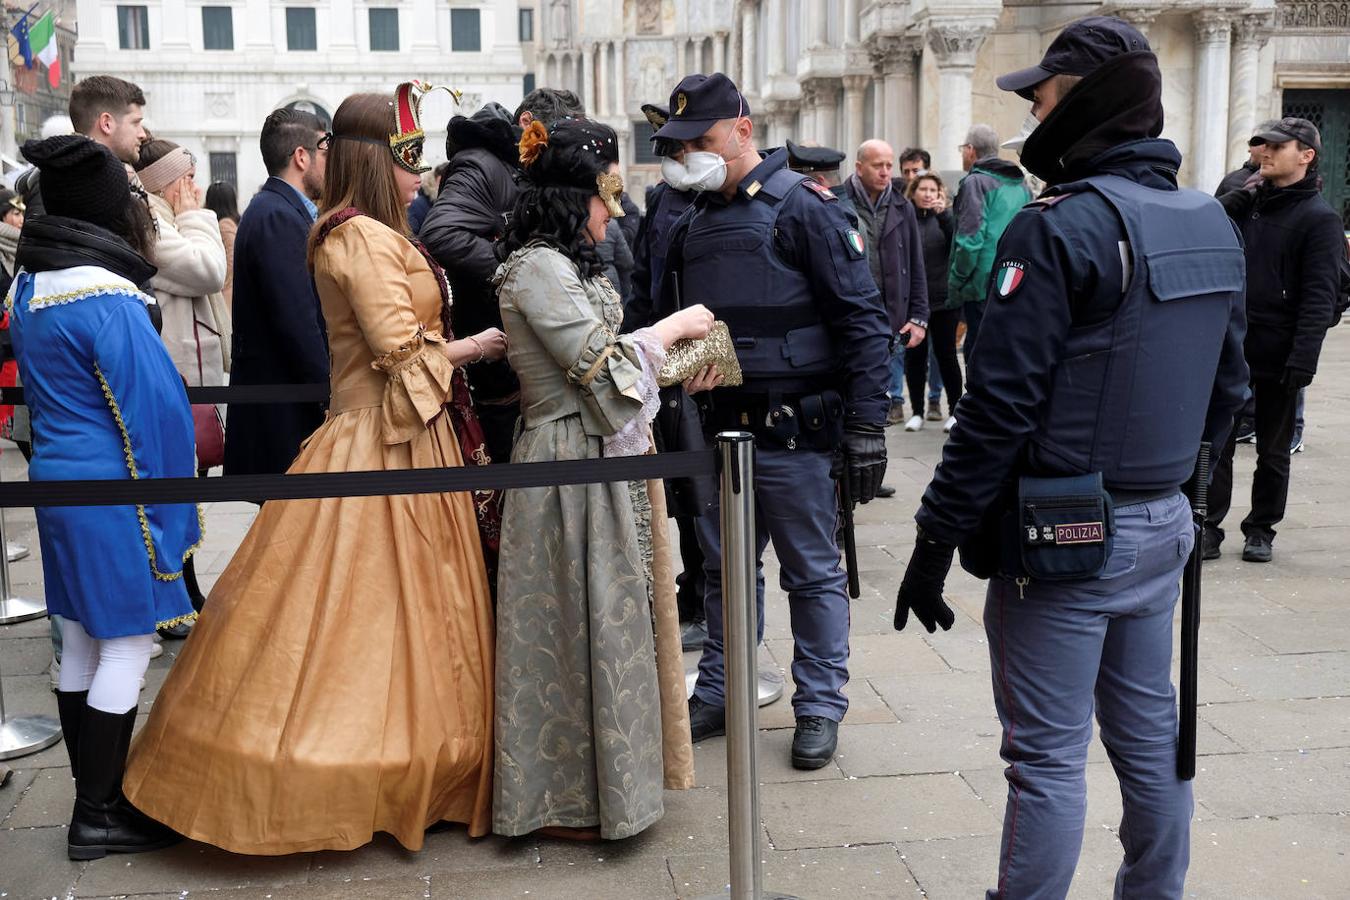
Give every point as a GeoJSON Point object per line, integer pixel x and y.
{"type": "Point", "coordinates": [1294, 245]}
{"type": "Point", "coordinates": [1113, 349]}
{"type": "Point", "coordinates": [279, 332]}
{"type": "Point", "coordinates": [463, 232]}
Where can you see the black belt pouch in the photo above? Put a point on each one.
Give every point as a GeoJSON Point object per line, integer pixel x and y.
{"type": "Point", "coordinates": [1065, 527]}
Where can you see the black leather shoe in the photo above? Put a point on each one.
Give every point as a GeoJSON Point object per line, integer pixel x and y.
{"type": "Point", "coordinates": [814, 742]}
{"type": "Point", "coordinates": [885, 491]}
{"type": "Point", "coordinates": [104, 820]}
{"type": "Point", "coordinates": [693, 635]}
{"type": "Point", "coordinates": [1209, 544]}
{"type": "Point", "coordinates": [705, 720]}
{"type": "Point", "coordinates": [1257, 549]}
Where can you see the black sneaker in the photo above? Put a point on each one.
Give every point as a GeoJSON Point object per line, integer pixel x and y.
{"type": "Point", "coordinates": [885, 492]}
{"type": "Point", "coordinates": [1209, 544]}
{"type": "Point", "coordinates": [1246, 431]}
{"type": "Point", "coordinates": [814, 742]}
{"type": "Point", "coordinates": [693, 634]}
{"type": "Point", "coordinates": [1257, 549]}
{"type": "Point", "coordinates": [705, 720]}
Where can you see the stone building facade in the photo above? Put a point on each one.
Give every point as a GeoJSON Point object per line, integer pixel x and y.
{"type": "Point", "coordinates": [213, 69]}
{"type": "Point", "coordinates": [920, 72]}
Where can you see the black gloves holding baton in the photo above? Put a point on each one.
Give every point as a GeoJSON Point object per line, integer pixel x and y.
{"type": "Point", "coordinates": [921, 589]}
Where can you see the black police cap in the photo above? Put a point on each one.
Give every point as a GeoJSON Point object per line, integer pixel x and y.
{"type": "Point", "coordinates": [813, 159]}
{"type": "Point", "coordinates": [700, 101]}
{"type": "Point", "coordinates": [1078, 50]}
{"type": "Point", "coordinates": [1290, 128]}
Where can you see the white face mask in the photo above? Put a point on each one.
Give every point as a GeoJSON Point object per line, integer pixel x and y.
{"type": "Point", "coordinates": [700, 171]}
{"type": "Point", "coordinates": [1029, 124]}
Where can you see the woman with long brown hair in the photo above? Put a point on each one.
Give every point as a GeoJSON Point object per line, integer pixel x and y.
{"type": "Point", "coordinates": [339, 682]}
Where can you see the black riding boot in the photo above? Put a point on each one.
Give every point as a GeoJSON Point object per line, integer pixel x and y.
{"type": "Point", "coordinates": [70, 707]}
{"type": "Point", "coordinates": [105, 821]}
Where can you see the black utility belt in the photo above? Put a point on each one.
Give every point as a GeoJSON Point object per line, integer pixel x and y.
{"type": "Point", "coordinates": [813, 421]}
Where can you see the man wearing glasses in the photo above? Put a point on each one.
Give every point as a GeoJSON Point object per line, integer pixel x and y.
{"type": "Point", "coordinates": [986, 200]}
{"type": "Point", "coordinates": [279, 332]}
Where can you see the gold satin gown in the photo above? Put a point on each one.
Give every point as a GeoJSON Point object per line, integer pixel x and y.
{"type": "Point", "coordinates": [339, 681]}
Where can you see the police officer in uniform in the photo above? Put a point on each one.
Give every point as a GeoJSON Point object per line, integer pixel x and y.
{"type": "Point", "coordinates": [1113, 348]}
{"type": "Point", "coordinates": [772, 255]}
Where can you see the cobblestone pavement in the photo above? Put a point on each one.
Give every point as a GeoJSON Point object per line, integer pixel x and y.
{"type": "Point", "coordinates": [912, 805]}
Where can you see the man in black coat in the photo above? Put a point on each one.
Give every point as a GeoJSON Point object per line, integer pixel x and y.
{"type": "Point", "coordinates": [464, 232]}
{"type": "Point", "coordinates": [1294, 243]}
{"type": "Point", "coordinates": [279, 332]}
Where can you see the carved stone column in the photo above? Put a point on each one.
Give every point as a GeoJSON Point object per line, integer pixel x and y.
{"type": "Point", "coordinates": [855, 93]}
{"type": "Point", "coordinates": [1209, 133]}
{"type": "Point", "coordinates": [817, 24]}
{"type": "Point", "coordinates": [896, 110]}
{"type": "Point", "coordinates": [720, 51]}
{"type": "Point", "coordinates": [1249, 36]}
{"type": "Point", "coordinates": [851, 21]}
{"type": "Point", "coordinates": [775, 43]}
{"type": "Point", "coordinates": [808, 124]}
{"type": "Point", "coordinates": [1141, 17]}
{"type": "Point", "coordinates": [748, 83]}
{"type": "Point", "coordinates": [620, 79]}
{"type": "Point", "coordinates": [955, 44]}
{"type": "Point", "coordinates": [588, 79]}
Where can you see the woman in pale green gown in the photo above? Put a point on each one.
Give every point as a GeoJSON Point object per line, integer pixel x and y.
{"type": "Point", "coordinates": [591, 719]}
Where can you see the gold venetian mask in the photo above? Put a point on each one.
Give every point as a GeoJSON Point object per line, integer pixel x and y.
{"type": "Point", "coordinates": [609, 185]}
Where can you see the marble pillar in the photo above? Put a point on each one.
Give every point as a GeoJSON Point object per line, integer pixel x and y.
{"type": "Point", "coordinates": [775, 38]}
{"type": "Point", "coordinates": [720, 52]}
{"type": "Point", "coordinates": [897, 113]}
{"type": "Point", "coordinates": [749, 83]}
{"type": "Point", "coordinates": [588, 80]}
{"type": "Point", "coordinates": [817, 24]}
{"type": "Point", "coordinates": [878, 105]}
{"type": "Point", "coordinates": [1249, 36]}
{"type": "Point", "coordinates": [1209, 132]}
{"type": "Point", "coordinates": [855, 94]}
{"type": "Point", "coordinates": [1141, 17]}
{"type": "Point", "coordinates": [601, 79]}
{"type": "Point", "coordinates": [620, 79]}
{"type": "Point", "coordinates": [851, 21]}
{"type": "Point", "coordinates": [954, 44]}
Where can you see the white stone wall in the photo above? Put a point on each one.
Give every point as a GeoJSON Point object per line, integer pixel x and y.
{"type": "Point", "coordinates": [217, 100]}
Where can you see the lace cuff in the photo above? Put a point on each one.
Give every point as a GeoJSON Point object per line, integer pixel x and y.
{"type": "Point", "coordinates": [418, 387]}
{"type": "Point", "coordinates": [634, 438]}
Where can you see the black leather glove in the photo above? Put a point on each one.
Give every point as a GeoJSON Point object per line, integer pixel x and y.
{"type": "Point", "coordinates": [921, 589]}
{"type": "Point", "coordinates": [1296, 379]}
{"type": "Point", "coordinates": [865, 449]}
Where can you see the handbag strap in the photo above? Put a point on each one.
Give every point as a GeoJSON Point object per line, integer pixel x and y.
{"type": "Point", "coordinates": [197, 339]}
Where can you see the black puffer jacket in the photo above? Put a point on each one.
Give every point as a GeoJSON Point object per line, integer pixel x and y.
{"type": "Point", "coordinates": [465, 225]}
{"type": "Point", "coordinates": [1294, 243]}
{"type": "Point", "coordinates": [935, 237]}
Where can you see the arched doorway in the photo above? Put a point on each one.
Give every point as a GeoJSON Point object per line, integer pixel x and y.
{"type": "Point", "coordinates": [310, 106]}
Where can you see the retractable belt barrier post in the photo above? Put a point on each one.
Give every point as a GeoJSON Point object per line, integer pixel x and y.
{"type": "Point", "coordinates": [740, 633]}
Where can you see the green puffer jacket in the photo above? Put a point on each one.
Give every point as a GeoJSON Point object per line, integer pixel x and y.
{"type": "Point", "coordinates": [986, 200]}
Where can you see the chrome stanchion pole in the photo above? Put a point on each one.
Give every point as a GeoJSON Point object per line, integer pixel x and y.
{"type": "Point", "coordinates": [14, 609]}
{"type": "Point", "coordinates": [740, 630]}
{"type": "Point", "coordinates": [20, 735]}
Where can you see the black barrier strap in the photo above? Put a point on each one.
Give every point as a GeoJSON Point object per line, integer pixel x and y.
{"type": "Point", "coordinates": [235, 393]}
{"type": "Point", "coordinates": [308, 486]}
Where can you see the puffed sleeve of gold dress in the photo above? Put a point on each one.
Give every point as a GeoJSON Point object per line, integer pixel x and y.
{"type": "Point", "coordinates": [339, 681]}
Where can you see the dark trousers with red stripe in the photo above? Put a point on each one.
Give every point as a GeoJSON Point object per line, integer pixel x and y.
{"type": "Point", "coordinates": [1062, 651]}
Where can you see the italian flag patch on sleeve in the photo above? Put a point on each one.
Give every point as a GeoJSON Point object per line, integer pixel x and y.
{"type": "Point", "coordinates": [1011, 274]}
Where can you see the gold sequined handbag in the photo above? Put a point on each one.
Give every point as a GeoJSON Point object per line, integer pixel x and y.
{"type": "Point", "coordinates": [686, 357]}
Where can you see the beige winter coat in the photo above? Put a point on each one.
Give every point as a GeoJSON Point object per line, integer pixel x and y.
{"type": "Point", "coordinates": [191, 261]}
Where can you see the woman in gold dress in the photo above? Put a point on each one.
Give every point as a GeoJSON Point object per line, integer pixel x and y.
{"type": "Point", "coordinates": [339, 682]}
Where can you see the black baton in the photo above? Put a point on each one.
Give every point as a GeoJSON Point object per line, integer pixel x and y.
{"type": "Point", "coordinates": [850, 539]}
{"type": "Point", "coordinates": [1190, 618]}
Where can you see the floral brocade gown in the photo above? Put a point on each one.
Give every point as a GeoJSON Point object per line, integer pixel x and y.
{"type": "Point", "coordinates": [339, 681]}
{"type": "Point", "coordinates": [591, 716]}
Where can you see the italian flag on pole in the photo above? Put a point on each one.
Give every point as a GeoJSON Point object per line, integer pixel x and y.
{"type": "Point", "coordinates": [42, 38]}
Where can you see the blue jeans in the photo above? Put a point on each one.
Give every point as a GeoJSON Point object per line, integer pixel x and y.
{"type": "Point", "coordinates": [795, 507]}
{"type": "Point", "coordinates": [897, 391]}
{"type": "Point", "coordinates": [1064, 650]}
{"type": "Point", "coordinates": [935, 384]}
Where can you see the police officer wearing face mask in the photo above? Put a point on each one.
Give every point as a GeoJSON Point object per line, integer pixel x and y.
{"type": "Point", "coordinates": [1112, 347]}
{"type": "Point", "coordinates": [771, 254]}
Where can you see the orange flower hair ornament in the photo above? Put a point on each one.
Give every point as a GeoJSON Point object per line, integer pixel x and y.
{"type": "Point", "coordinates": [533, 142]}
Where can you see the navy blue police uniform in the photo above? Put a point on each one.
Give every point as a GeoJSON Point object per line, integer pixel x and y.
{"type": "Point", "coordinates": [783, 267]}
{"type": "Point", "coordinates": [1113, 347]}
